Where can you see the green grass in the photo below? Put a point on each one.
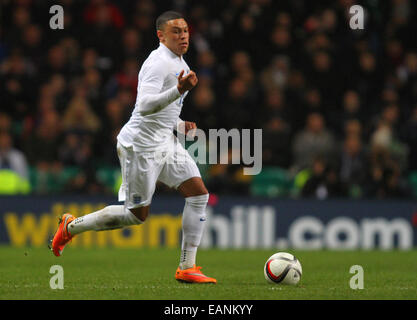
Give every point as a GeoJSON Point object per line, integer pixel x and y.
{"type": "Point", "coordinates": [149, 274]}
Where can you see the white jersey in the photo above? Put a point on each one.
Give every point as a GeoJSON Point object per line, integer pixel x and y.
{"type": "Point", "coordinates": [158, 102]}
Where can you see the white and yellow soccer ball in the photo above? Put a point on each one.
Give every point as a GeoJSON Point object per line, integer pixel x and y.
{"type": "Point", "coordinates": [283, 267]}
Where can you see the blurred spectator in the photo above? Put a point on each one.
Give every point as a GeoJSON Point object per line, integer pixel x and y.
{"type": "Point", "coordinates": [276, 143]}
{"type": "Point", "coordinates": [20, 20]}
{"type": "Point", "coordinates": [281, 41]}
{"type": "Point", "coordinates": [103, 20]}
{"type": "Point", "coordinates": [127, 78]}
{"type": "Point", "coordinates": [126, 99]}
{"type": "Point", "coordinates": [32, 44]}
{"type": "Point", "coordinates": [236, 110]}
{"type": "Point", "coordinates": [92, 85]}
{"type": "Point", "coordinates": [16, 90]}
{"type": "Point", "coordinates": [352, 109]}
{"type": "Point", "coordinates": [407, 74]}
{"type": "Point", "coordinates": [369, 78]}
{"type": "Point", "coordinates": [239, 62]}
{"type": "Point", "coordinates": [10, 158]}
{"type": "Point", "coordinates": [14, 175]}
{"type": "Point", "coordinates": [57, 91]}
{"type": "Point", "coordinates": [56, 61]}
{"type": "Point", "coordinates": [276, 75]}
{"type": "Point", "coordinates": [353, 127]}
{"type": "Point", "coordinates": [315, 140]}
{"type": "Point", "coordinates": [85, 182]}
{"type": "Point", "coordinates": [228, 178]}
{"type": "Point", "coordinates": [75, 150]}
{"type": "Point", "coordinates": [323, 75]}
{"type": "Point", "coordinates": [203, 102]}
{"type": "Point", "coordinates": [385, 137]}
{"type": "Point", "coordinates": [409, 135]}
{"type": "Point", "coordinates": [310, 102]}
{"type": "Point", "coordinates": [131, 47]}
{"type": "Point", "coordinates": [114, 119]}
{"type": "Point", "coordinates": [103, 11]}
{"type": "Point", "coordinates": [384, 178]}
{"type": "Point", "coordinates": [275, 106]}
{"type": "Point", "coordinates": [89, 59]}
{"type": "Point", "coordinates": [107, 150]}
{"type": "Point", "coordinates": [353, 164]}
{"type": "Point", "coordinates": [391, 115]}
{"type": "Point", "coordinates": [143, 19]}
{"type": "Point", "coordinates": [5, 122]}
{"type": "Point", "coordinates": [324, 181]}
{"type": "Point", "coordinates": [206, 68]}
{"type": "Point", "coordinates": [79, 115]}
{"type": "Point", "coordinates": [42, 146]}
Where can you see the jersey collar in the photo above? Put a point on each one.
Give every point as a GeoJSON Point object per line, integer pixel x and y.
{"type": "Point", "coordinates": [171, 54]}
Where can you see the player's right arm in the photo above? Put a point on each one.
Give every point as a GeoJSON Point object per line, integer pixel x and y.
{"type": "Point", "coordinates": [151, 99]}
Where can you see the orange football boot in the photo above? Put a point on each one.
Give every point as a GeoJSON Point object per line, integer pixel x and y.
{"type": "Point", "coordinates": [193, 275]}
{"type": "Point", "coordinates": [61, 236]}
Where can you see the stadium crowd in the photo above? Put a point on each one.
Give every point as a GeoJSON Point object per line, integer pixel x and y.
{"type": "Point", "coordinates": [338, 107]}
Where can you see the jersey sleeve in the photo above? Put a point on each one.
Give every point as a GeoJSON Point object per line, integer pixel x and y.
{"type": "Point", "coordinates": [180, 126]}
{"type": "Point", "coordinates": [153, 75]}
{"type": "Point", "coordinates": [151, 99]}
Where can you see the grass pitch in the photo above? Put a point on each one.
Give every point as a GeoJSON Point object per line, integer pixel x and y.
{"type": "Point", "coordinates": [148, 274]}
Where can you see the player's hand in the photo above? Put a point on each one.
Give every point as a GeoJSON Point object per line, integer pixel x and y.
{"type": "Point", "coordinates": [187, 128]}
{"type": "Point", "coordinates": [188, 82]}
{"type": "Point", "coordinates": [190, 127]}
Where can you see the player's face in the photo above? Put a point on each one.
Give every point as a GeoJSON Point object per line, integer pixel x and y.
{"type": "Point", "coordinates": [175, 36]}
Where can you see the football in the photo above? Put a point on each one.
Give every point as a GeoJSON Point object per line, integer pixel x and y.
{"type": "Point", "coordinates": [283, 267]}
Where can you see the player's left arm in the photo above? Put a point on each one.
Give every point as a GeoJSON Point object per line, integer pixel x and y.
{"type": "Point", "coordinates": [185, 126]}
{"type": "Point", "coordinates": [188, 82]}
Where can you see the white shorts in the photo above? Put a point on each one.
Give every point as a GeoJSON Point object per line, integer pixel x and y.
{"type": "Point", "coordinates": [141, 171]}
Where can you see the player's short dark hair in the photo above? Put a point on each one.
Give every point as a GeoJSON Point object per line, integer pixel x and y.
{"type": "Point", "coordinates": [165, 17]}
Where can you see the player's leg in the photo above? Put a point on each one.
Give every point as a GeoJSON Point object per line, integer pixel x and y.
{"type": "Point", "coordinates": [193, 219]}
{"type": "Point", "coordinates": [181, 173]}
{"type": "Point", "coordinates": [136, 190]}
{"type": "Point", "coordinates": [141, 213]}
{"type": "Point", "coordinates": [108, 218]}
{"type": "Point", "coordinates": [133, 212]}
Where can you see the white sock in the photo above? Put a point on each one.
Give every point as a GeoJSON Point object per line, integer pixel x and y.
{"type": "Point", "coordinates": [188, 257]}
{"type": "Point", "coordinates": [108, 218]}
{"type": "Point", "coordinates": [193, 221]}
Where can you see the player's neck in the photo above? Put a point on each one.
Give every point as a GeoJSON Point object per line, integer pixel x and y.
{"type": "Point", "coordinates": [171, 52]}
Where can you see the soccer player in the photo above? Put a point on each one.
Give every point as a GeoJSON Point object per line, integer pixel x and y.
{"type": "Point", "coordinates": [149, 152]}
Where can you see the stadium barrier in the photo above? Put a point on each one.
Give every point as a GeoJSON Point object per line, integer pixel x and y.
{"type": "Point", "coordinates": [233, 222]}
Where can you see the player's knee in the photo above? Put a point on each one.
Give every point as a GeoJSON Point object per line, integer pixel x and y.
{"type": "Point", "coordinates": [193, 187]}
{"type": "Point", "coordinates": [201, 189]}
{"type": "Point", "coordinates": [141, 213]}
{"type": "Point", "coordinates": [204, 191]}
{"type": "Point", "coordinates": [200, 200]}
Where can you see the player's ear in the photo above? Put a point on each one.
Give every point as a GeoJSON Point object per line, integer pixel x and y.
{"type": "Point", "coordinates": [160, 35]}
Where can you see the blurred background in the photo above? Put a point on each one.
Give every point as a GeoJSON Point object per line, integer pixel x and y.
{"type": "Point", "coordinates": [338, 107]}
